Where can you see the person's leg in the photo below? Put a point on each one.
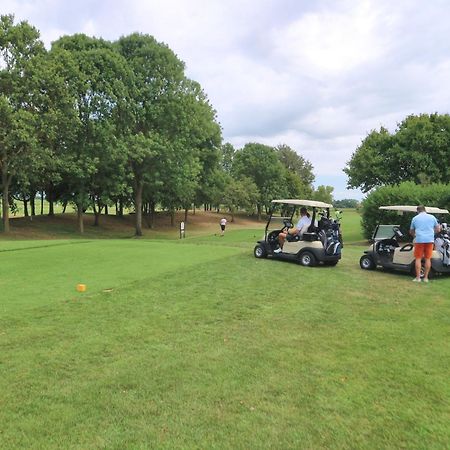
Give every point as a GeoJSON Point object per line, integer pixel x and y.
{"type": "Point", "coordinates": [281, 239]}
{"type": "Point", "coordinates": [427, 268]}
{"type": "Point", "coordinates": [418, 254]}
{"type": "Point", "coordinates": [428, 254]}
{"type": "Point", "coordinates": [418, 267]}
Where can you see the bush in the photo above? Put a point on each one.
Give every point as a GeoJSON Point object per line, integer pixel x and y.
{"type": "Point", "coordinates": [407, 193]}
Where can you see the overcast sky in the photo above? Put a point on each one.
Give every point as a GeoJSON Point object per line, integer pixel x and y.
{"type": "Point", "coordinates": [316, 75]}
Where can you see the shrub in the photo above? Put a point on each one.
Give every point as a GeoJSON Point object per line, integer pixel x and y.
{"type": "Point", "coordinates": [407, 193]}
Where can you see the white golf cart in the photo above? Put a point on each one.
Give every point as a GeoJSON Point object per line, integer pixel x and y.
{"type": "Point", "coordinates": [321, 243]}
{"type": "Point", "coordinates": [392, 248]}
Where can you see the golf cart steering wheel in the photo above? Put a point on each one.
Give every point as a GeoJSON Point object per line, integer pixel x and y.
{"type": "Point", "coordinates": [287, 224]}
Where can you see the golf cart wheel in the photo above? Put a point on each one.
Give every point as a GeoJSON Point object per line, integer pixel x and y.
{"type": "Point", "coordinates": [307, 259]}
{"type": "Point", "coordinates": [260, 251]}
{"type": "Point", "coordinates": [366, 262]}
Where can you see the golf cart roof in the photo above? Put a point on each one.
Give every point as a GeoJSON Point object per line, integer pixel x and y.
{"type": "Point", "coordinates": [410, 208]}
{"type": "Point", "coordinates": [311, 203]}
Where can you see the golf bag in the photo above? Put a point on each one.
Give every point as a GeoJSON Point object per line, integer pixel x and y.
{"type": "Point", "coordinates": [330, 237]}
{"type": "Point", "coordinates": [442, 245]}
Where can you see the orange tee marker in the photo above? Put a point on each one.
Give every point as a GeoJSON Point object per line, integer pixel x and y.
{"type": "Point", "coordinates": [81, 287]}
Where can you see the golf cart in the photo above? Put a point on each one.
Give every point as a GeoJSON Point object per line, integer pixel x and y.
{"type": "Point", "coordinates": [321, 243]}
{"type": "Point", "coordinates": [393, 249]}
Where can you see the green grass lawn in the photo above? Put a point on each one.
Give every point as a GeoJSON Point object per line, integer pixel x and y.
{"type": "Point", "coordinates": [196, 344]}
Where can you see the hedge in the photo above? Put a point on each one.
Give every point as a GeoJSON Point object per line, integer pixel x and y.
{"type": "Point", "coordinates": [407, 193]}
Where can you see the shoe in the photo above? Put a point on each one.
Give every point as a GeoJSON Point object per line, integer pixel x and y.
{"type": "Point", "coordinates": [425, 280]}
{"type": "Point", "coordinates": [417, 280]}
{"type": "Point", "coordinates": [278, 250]}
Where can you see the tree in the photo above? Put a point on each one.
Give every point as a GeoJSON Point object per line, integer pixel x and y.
{"type": "Point", "coordinates": [346, 203]}
{"type": "Point", "coordinates": [227, 155]}
{"type": "Point", "coordinates": [296, 164]}
{"type": "Point", "coordinates": [372, 162]}
{"type": "Point", "coordinates": [240, 195]}
{"type": "Point", "coordinates": [418, 151]}
{"type": "Point", "coordinates": [97, 80]}
{"type": "Point", "coordinates": [324, 194]}
{"type": "Point", "coordinates": [19, 44]}
{"type": "Point", "coordinates": [149, 125]}
{"type": "Point", "coordinates": [261, 164]}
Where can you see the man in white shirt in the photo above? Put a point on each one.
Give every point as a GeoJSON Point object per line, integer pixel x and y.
{"type": "Point", "coordinates": [302, 225]}
{"type": "Point", "coordinates": [223, 224]}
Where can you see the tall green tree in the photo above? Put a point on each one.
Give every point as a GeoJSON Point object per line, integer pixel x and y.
{"type": "Point", "coordinates": [99, 82]}
{"type": "Point", "coordinates": [418, 151]}
{"type": "Point", "coordinates": [170, 125]}
{"type": "Point", "coordinates": [149, 125]}
{"type": "Point", "coordinates": [19, 45]}
{"type": "Point", "coordinates": [261, 164]}
{"type": "Point", "coordinates": [296, 164]}
{"type": "Point", "coordinates": [323, 194]}
{"type": "Point", "coordinates": [239, 195]}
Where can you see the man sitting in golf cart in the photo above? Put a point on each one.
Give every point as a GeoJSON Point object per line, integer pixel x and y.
{"type": "Point", "coordinates": [295, 233]}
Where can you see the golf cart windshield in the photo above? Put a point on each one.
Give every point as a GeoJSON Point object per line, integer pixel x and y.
{"type": "Point", "coordinates": [384, 232]}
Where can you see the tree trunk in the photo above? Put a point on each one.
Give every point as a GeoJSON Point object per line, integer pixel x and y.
{"type": "Point", "coordinates": [5, 198]}
{"type": "Point", "coordinates": [25, 206]}
{"type": "Point", "coordinates": [42, 203]}
{"type": "Point", "coordinates": [120, 212]}
{"type": "Point", "coordinates": [80, 217]}
{"type": "Point", "coordinates": [193, 210]}
{"type": "Point", "coordinates": [185, 215]}
{"type": "Point", "coordinates": [152, 214]}
{"type": "Point", "coordinates": [172, 217]}
{"type": "Point", "coordinates": [51, 210]}
{"type": "Point", "coordinates": [139, 186]}
{"type": "Point", "coordinates": [96, 213]}
{"type": "Point", "coordinates": [33, 203]}
{"type": "Point", "coordinates": [106, 210]}
{"type": "Point", "coordinates": [258, 207]}
{"type": "Point", "coordinates": [64, 207]}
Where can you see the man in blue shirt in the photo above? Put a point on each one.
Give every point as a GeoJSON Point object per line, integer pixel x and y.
{"type": "Point", "coordinates": [423, 226]}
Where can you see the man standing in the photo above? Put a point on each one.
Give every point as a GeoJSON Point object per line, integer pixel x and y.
{"type": "Point", "coordinates": [423, 226]}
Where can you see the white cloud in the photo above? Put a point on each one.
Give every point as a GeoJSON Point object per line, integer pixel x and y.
{"type": "Point", "coordinates": [316, 76]}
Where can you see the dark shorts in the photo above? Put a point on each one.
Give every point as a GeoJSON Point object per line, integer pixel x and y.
{"type": "Point", "coordinates": [222, 227]}
{"type": "Point", "coordinates": [423, 250]}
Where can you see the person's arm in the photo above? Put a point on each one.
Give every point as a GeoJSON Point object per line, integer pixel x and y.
{"type": "Point", "coordinates": [412, 229]}
{"type": "Point", "coordinates": [437, 227]}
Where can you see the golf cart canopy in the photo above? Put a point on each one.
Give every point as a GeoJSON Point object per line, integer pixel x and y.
{"type": "Point", "coordinates": [311, 203]}
{"type": "Point", "coordinates": [410, 208]}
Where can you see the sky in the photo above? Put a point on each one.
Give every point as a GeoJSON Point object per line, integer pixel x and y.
{"type": "Point", "coordinates": [316, 75]}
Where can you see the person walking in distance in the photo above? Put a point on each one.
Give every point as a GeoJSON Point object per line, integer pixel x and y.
{"type": "Point", "coordinates": [223, 224]}
{"type": "Point", "coordinates": [422, 229]}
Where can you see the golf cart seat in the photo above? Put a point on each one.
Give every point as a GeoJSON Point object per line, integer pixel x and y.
{"type": "Point", "coordinates": [386, 246]}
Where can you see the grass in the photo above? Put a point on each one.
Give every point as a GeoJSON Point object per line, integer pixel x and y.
{"type": "Point", "coordinates": [194, 343]}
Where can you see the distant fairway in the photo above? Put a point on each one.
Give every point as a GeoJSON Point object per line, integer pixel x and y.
{"type": "Point", "coordinates": [197, 344]}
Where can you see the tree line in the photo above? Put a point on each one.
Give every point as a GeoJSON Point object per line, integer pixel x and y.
{"type": "Point", "coordinates": [98, 123]}
{"type": "Point", "coordinates": [408, 167]}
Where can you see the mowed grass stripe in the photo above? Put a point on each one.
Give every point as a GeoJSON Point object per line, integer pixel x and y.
{"type": "Point", "coordinates": [205, 357]}
{"type": "Point", "coordinates": [37, 276]}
